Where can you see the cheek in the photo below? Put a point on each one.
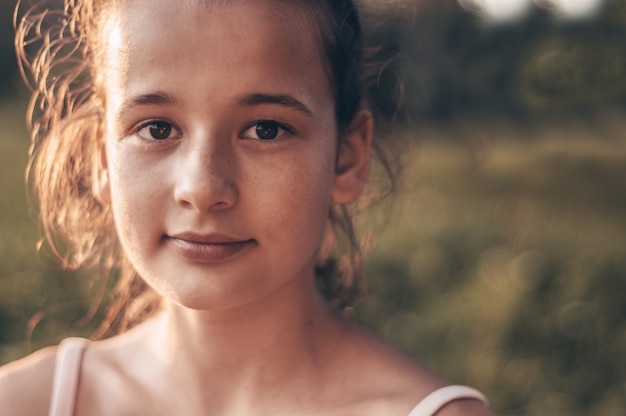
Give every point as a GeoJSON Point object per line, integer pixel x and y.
{"type": "Point", "coordinates": [296, 201]}
{"type": "Point", "coordinates": [133, 193]}
{"type": "Point", "coordinates": [122, 180]}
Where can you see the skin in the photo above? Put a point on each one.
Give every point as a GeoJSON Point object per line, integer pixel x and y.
{"type": "Point", "coordinates": [244, 330]}
{"type": "Point", "coordinates": [212, 175]}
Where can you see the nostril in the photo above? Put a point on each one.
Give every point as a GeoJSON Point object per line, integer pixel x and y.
{"type": "Point", "coordinates": [206, 178]}
{"type": "Point", "coordinates": [209, 193]}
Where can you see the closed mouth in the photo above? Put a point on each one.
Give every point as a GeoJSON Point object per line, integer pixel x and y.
{"type": "Point", "coordinates": [208, 248]}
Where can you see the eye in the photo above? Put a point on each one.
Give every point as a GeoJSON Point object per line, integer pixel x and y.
{"type": "Point", "coordinates": [266, 130]}
{"type": "Point", "coordinates": [157, 130]}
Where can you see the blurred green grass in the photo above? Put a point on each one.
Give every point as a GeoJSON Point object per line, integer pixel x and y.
{"type": "Point", "coordinates": [18, 267]}
{"type": "Point", "coordinates": [32, 286]}
{"type": "Point", "coordinates": [500, 262]}
{"type": "Point", "coordinates": [503, 264]}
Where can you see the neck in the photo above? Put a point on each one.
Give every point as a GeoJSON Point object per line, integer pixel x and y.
{"type": "Point", "coordinates": [259, 346]}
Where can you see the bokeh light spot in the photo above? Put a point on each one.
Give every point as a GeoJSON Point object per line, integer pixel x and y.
{"type": "Point", "coordinates": [498, 10]}
{"type": "Point", "coordinates": [574, 9]}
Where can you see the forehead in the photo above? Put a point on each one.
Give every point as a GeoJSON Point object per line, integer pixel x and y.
{"type": "Point", "coordinates": [292, 14]}
{"type": "Point", "coordinates": [255, 42]}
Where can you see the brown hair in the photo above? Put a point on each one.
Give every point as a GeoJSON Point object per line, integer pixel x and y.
{"type": "Point", "coordinates": [58, 51]}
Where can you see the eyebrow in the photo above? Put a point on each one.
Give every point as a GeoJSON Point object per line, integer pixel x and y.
{"type": "Point", "coordinates": [250, 100]}
{"type": "Point", "coordinates": [285, 100]}
{"type": "Point", "coordinates": [155, 98]}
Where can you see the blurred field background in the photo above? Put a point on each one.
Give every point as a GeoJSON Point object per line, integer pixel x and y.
{"type": "Point", "coordinates": [501, 259]}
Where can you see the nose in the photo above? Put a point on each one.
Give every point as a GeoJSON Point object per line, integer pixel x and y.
{"type": "Point", "coordinates": [205, 177]}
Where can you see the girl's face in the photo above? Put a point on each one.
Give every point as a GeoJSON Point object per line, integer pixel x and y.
{"type": "Point", "coordinates": [220, 146]}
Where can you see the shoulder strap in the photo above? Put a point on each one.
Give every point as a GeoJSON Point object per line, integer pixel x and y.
{"type": "Point", "coordinates": [440, 397]}
{"type": "Point", "coordinates": [66, 376]}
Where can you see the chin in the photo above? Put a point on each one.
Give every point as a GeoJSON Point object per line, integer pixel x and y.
{"type": "Point", "coordinates": [197, 300]}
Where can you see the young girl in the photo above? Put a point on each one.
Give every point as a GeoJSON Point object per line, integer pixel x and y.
{"type": "Point", "coordinates": [206, 146]}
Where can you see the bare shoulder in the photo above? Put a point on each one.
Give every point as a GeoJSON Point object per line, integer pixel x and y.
{"type": "Point", "coordinates": [398, 382]}
{"type": "Point", "coordinates": [26, 384]}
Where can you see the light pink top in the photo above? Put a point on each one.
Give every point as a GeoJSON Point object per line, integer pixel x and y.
{"type": "Point", "coordinates": [67, 377]}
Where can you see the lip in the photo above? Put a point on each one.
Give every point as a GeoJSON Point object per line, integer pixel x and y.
{"type": "Point", "coordinates": [208, 248]}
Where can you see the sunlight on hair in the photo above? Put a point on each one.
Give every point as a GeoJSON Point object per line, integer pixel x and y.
{"type": "Point", "coordinates": [572, 9]}
{"type": "Point", "coordinates": [498, 10]}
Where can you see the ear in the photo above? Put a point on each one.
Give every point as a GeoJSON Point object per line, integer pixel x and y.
{"type": "Point", "coordinates": [353, 160]}
{"type": "Point", "coordinates": [100, 182]}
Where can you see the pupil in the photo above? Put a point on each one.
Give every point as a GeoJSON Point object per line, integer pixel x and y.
{"type": "Point", "coordinates": [267, 131]}
{"type": "Point", "coordinates": [160, 131]}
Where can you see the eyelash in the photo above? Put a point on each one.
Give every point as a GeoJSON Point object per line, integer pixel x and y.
{"type": "Point", "coordinates": [286, 130]}
{"type": "Point", "coordinates": [153, 123]}
{"type": "Point", "coordinates": [163, 124]}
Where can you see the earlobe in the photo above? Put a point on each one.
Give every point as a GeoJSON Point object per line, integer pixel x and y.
{"type": "Point", "coordinates": [101, 188]}
{"type": "Point", "coordinates": [101, 185]}
{"type": "Point", "coordinates": [353, 160]}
